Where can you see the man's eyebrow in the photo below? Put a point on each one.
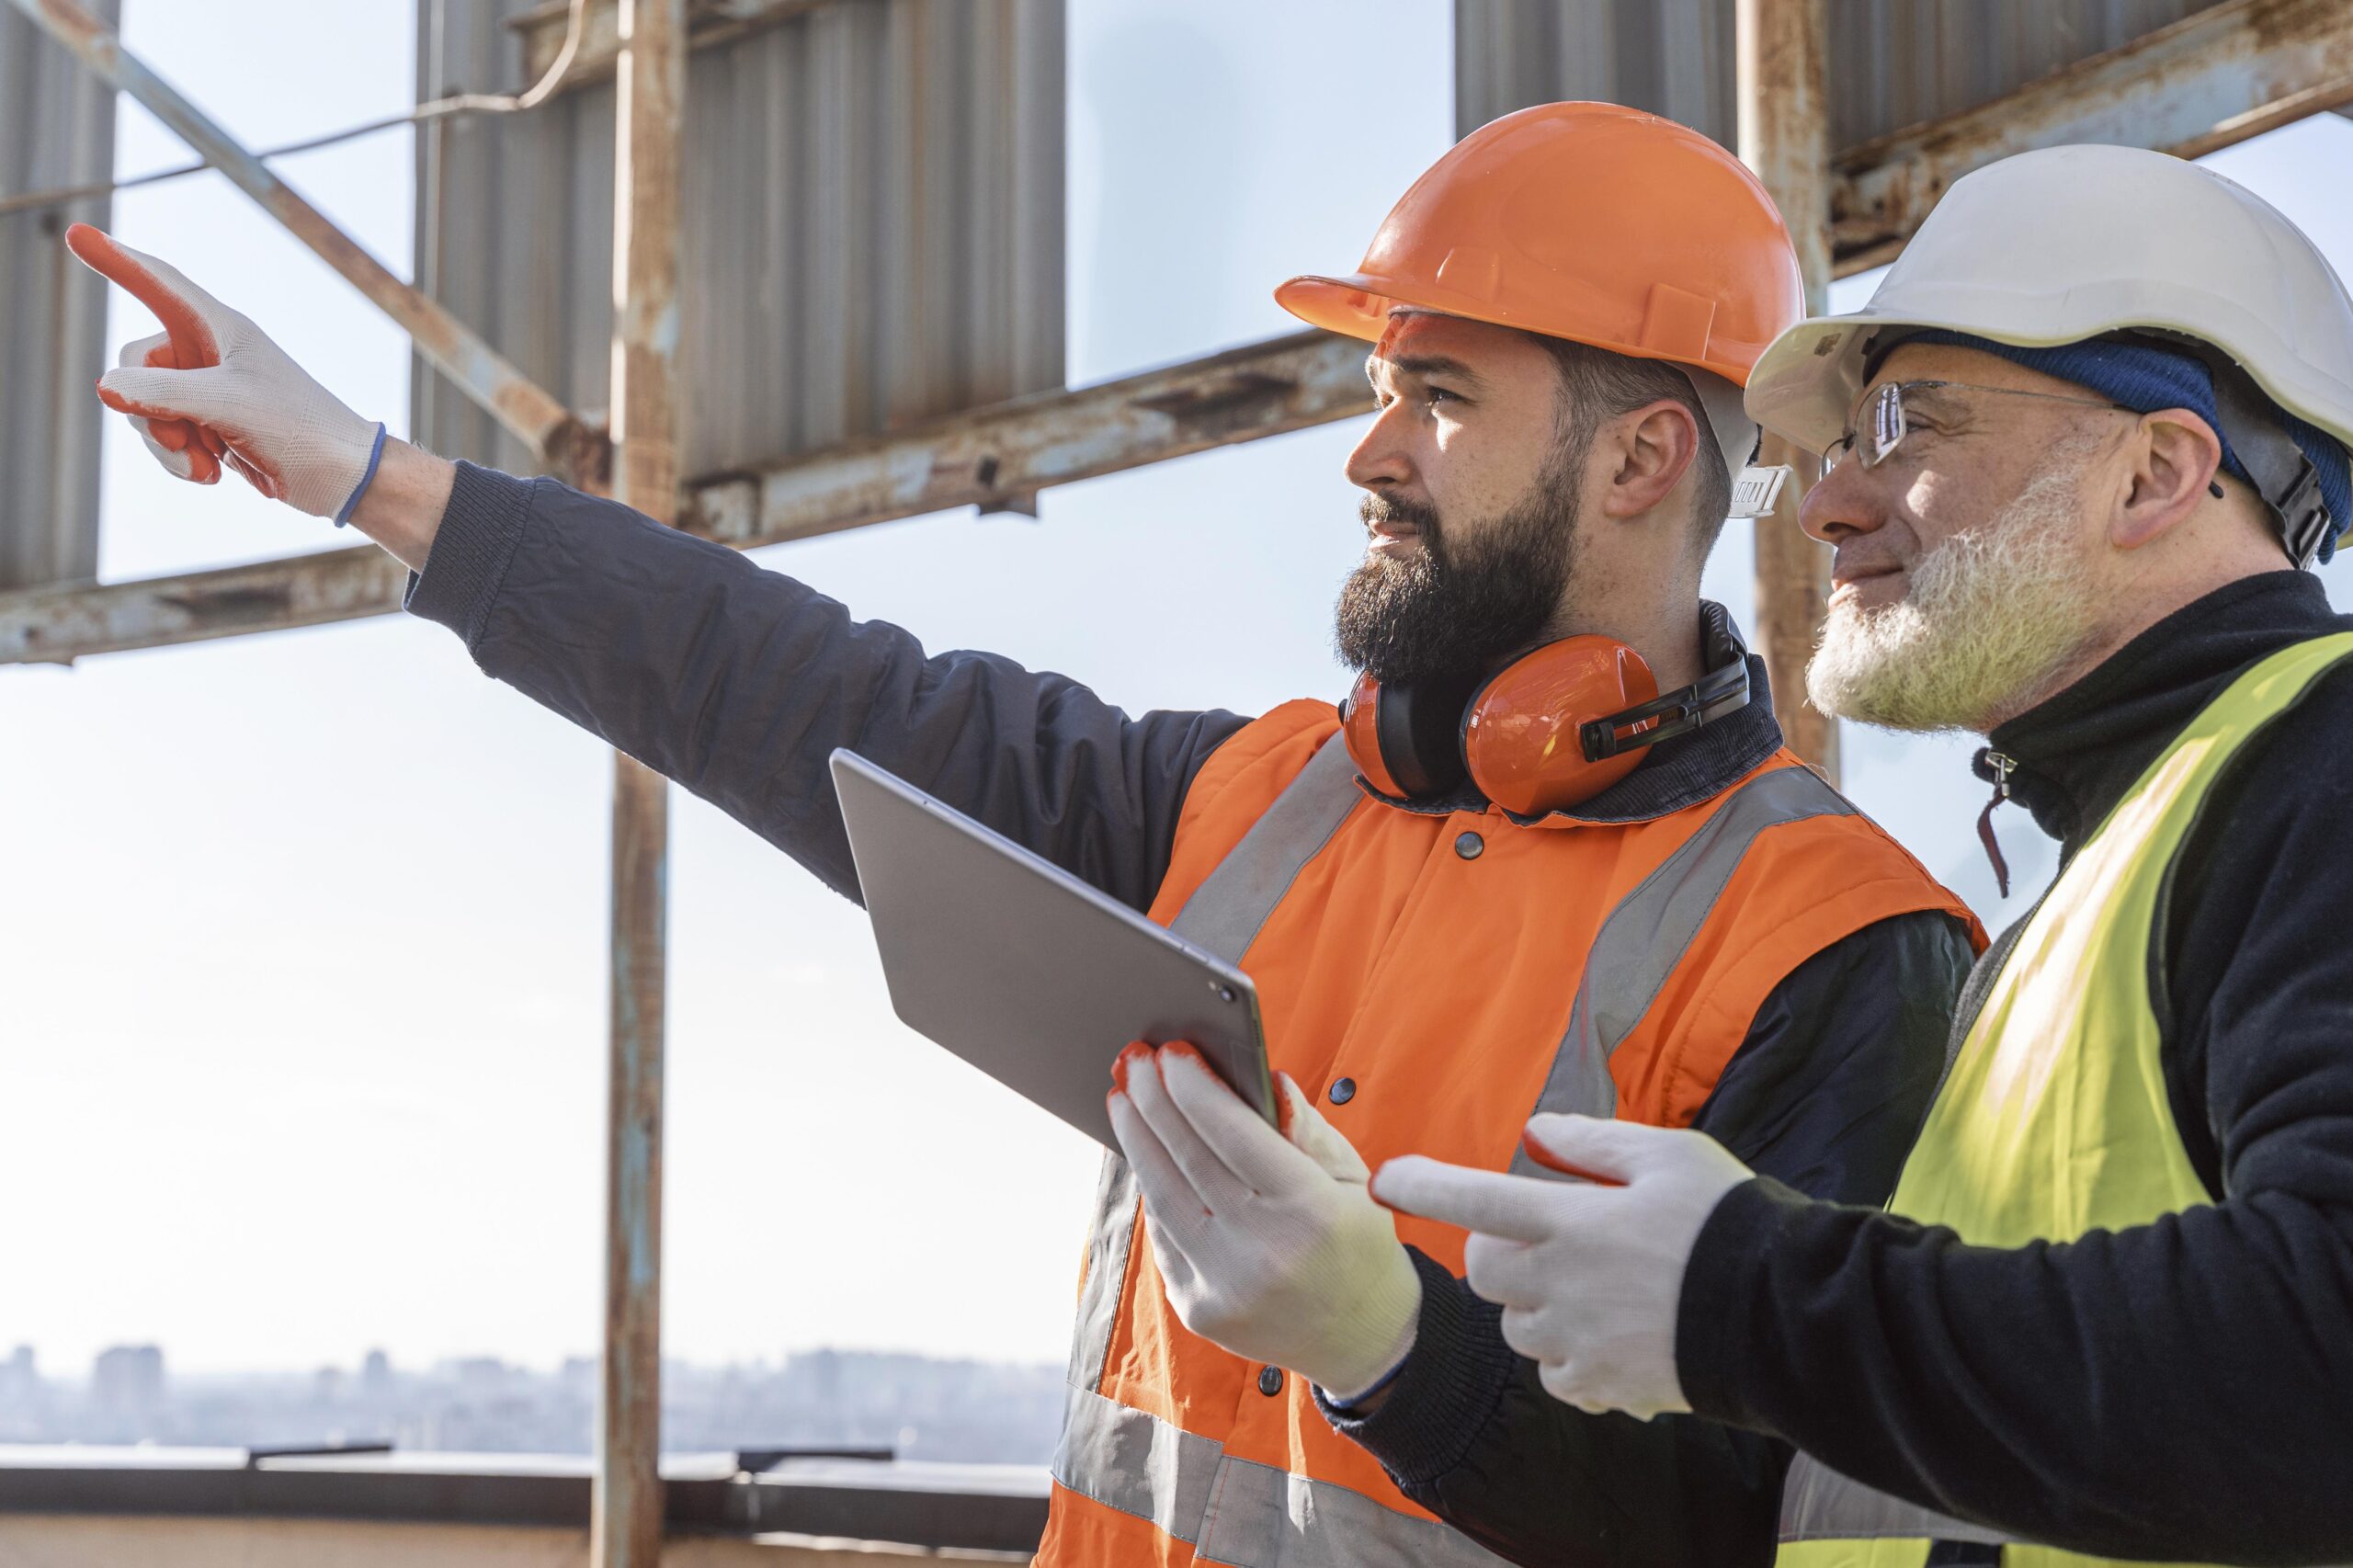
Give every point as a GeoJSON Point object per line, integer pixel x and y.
{"type": "Point", "coordinates": [1427, 365]}
{"type": "Point", "coordinates": [1935, 401]}
{"type": "Point", "coordinates": [1928, 399]}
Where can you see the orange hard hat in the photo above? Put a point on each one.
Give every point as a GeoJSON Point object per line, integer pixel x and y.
{"type": "Point", "coordinates": [1594, 222]}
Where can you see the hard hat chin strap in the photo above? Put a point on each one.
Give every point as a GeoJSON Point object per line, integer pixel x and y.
{"type": "Point", "coordinates": [2283, 476]}
{"type": "Point", "coordinates": [1754, 489]}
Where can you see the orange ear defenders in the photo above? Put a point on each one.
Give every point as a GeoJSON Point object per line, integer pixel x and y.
{"type": "Point", "coordinates": [1550, 730]}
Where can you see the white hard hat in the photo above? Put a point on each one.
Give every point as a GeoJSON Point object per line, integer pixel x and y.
{"type": "Point", "coordinates": [2065, 244]}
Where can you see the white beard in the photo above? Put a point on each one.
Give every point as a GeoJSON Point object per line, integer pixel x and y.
{"type": "Point", "coordinates": [1991, 616]}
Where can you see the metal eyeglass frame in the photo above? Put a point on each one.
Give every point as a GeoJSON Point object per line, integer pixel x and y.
{"type": "Point", "coordinates": [1885, 427]}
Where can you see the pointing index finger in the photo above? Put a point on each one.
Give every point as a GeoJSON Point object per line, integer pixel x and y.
{"type": "Point", "coordinates": [178, 303]}
{"type": "Point", "coordinates": [1518, 1208]}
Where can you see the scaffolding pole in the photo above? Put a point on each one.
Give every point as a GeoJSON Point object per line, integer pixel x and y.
{"type": "Point", "coordinates": [1785, 137]}
{"type": "Point", "coordinates": [626, 1508]}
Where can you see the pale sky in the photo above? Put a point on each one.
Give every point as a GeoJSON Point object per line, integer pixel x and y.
{"type": "Point", "coordinates": [302, 950]}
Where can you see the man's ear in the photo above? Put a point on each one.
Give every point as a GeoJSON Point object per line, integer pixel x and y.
{"type": "Point", "coordinates": [2175, 454]}
{"type": "Point", "coordinates": [1652, 448]}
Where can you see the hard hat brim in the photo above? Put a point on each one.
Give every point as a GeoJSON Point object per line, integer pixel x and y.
{"type": "Point", "coordinates": [1807, 379]}
{"type": "Point", "coordinates": [1358, 304]}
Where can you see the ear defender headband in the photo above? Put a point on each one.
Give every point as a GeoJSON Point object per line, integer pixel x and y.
{"type": "Point", "coordinates": [1548, 731]}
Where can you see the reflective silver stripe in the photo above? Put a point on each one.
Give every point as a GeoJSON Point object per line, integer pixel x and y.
{"type": "Point", "coordinates": [1234, 1511]}
{"type": "Point", "coordinates": [1224, 915]}
{"type": "Point", "coordinates": [1819, 1503]}
{"type": "Point", "coordinates": [1127, 1459]}
{"type": "Point", "coordinates": [1265, 1517]}
{"type": "Point", "coordinates": [1107, 1246]}
{"type": "Point", "coordinates": [1644, 938]}
{"type": "Point", "coordinates": [1228, 909]}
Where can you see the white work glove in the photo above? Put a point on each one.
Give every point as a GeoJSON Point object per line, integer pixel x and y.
{"type": "Point", "coordinates": [211, 387]}
{"type": "Point", "coordinates": [1588, 1273]}
{"type": "Point", "coordinates": [1268, 1241]}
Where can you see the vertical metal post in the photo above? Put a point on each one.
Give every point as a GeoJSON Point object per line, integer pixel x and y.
{"type": "Point", "coordinates": [626, 1511]}
{"type": "Point", "coordinates": [1785, 138]}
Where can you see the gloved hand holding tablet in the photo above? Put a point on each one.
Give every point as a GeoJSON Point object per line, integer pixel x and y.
{"type": "Point", "coordinates": [1024, 972]}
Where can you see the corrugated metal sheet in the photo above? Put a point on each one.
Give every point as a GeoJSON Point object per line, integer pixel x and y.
{"type": "Point", "coordinates": [1671, 57]}
{"type": "Point", "coordinates": [1893, 63]}
{"type": "Point", "coordinates": [56, 130]}
{"type": "Point", "coordinates": [873, 223]}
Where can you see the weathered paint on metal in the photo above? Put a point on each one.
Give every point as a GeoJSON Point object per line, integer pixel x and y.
{"type": "Point", "coordinates": [626, 1501]}
{"type": "Point", "coordinates": [626, 1506]}
{"type": "Point", "coordinates": [62, 622]}
{"type": "Point", "coordinates": [873, 203]}
{"type": "Point", "coordinates": [1785, 138]}
{"type": "Point", "coordinates": [56, 129]}
{"type": "Point", "coordinates": [1890, 66]}
{"type": "Point", "coordinates": [708, 22]}
{"type": "Point", "coordinates": [981, 458]}
{"type": "Point", "coordinates": [1917, 93]}
{"type": "Point", "coordinates": [2209, 80]}
{"type": "Point", "coordinates": [537, 419]}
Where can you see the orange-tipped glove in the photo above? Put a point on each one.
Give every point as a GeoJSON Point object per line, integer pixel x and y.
{"type": "Point", "coordinates": [211, 388]}
{"type": "Point", "coordinates": [1268, 1241]}
{"type": "Point", "coordinates": [1589, 1274]}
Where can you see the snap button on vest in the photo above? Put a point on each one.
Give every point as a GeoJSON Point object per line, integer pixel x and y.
{"type": "Point", "coordinates": [1343, 1090]}
{"type": "Point", "coordinates": [1270, 1380]}
{"type": "Point", "coordinates": [1469, 846]}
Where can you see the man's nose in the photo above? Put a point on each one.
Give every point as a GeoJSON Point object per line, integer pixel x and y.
{"type": "Point", "coordinates": [1842, 504]}
{"type": "Point", "coordinates": [1381, 460]}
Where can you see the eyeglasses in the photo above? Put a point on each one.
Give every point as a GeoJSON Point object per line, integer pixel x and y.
{"type": "Point", "coordinates": [1884, 425]}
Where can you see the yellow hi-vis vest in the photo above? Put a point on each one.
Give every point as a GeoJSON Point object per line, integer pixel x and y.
{"type": "Point", "coordinates": [2053, 1120]}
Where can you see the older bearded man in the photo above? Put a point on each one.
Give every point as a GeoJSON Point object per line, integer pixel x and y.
{"type": "Point", "coordinates": [2110, 1313]}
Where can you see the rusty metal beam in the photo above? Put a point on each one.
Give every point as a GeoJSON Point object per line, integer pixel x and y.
{"type": "Point", "coordinates": [649, 171]}
{"type": "Point", "coordinates": [708, 22]}
{"type": "Point", "coordinates": [980, 458]}
{"type": "Point", "coordinates": [534, 415]}
{"type": "Point", "coordinates": [1779, 52]}
{"type": "Point", "coordinates": [1016, 449]}
{"type": "Point", "coordinates": [57, 622]}
{"type": "Point", "coordinates": [2214, 78]}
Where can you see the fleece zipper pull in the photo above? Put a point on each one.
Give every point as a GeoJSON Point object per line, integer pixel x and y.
{"type": "Point", "coordinates": [2003, 768]}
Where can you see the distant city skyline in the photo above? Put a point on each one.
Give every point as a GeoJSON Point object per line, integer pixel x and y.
{"type": "Point", "coordinates": [919, 1407]}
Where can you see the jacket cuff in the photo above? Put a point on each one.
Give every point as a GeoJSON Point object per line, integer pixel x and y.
{"type": "Point", "coordinates": [1446, 1389]}
{"type": "Point", "coordinates": [1721, 1282]}
{"type": "Point", "coordinates": [463, 572]}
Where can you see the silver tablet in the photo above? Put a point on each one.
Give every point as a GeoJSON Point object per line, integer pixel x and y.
{"type": "Point", "coordinates": [1024, 971]}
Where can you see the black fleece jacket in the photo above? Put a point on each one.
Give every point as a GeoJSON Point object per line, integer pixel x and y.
{"type": "Point", "coordinates": [2177, 1391]}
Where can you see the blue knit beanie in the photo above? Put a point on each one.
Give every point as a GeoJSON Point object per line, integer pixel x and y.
{"type": "Point", "coordinates": [2145, 377]}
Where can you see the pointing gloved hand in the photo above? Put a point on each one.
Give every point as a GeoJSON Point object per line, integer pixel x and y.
{"type": "Point", "coordinates": [1268, 1241]}
{"type": "Point", "coordinates": [1588, 1273]}
{"type": "Point", "coordinates": [211, 388]}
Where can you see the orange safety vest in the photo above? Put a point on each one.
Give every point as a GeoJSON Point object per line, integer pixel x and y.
{"type": "Point", "coordinates": [1461, 971]}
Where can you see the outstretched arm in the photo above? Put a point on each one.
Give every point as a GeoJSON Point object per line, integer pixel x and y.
{"type": "Point", "coordinates": [734, 681]}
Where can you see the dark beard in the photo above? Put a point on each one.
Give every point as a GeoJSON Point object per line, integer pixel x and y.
{"type": "Point", "coordinates": [1453, 607]}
